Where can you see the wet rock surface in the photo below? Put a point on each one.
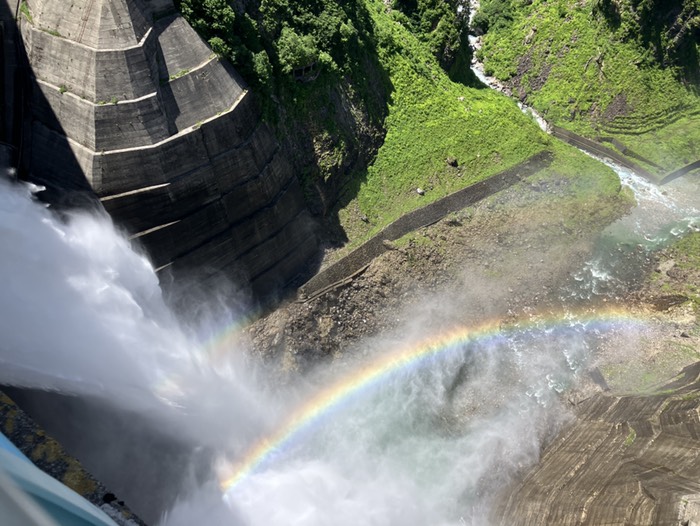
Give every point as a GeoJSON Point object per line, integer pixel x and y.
{"type": "Point", "coordinates": [633, 454]}
{"type": "Point", "coordinates": [626, 458]}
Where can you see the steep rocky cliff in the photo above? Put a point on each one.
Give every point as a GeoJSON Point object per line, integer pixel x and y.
{"type": "Point", "coordinates": [129, 103]}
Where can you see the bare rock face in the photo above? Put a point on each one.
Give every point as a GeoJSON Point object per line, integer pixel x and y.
{"type": "Point", "coordinates": [627, 460]}
{"type": "Point", "coordinates": [129, 103]}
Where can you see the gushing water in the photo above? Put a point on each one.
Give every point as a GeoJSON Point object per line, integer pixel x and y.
{"type": "Point", "coordinates": [430, 441]}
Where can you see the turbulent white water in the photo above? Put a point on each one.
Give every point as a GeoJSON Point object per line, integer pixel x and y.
{"type": "Point", "coordinates": [662, 215]}
{"type": "Point", "coordinates": [82, 313]}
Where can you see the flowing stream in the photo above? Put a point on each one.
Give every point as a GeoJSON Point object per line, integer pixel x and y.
{"type": "Point", "coordinates": [427, 431]}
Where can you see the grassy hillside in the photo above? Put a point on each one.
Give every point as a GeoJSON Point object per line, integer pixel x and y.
{"type": "Point", "coordinates": [338, 72]}
{"type": "Point", "coordinates": [623, 68]}
{"type": "Point", "coordinates": [432, 118]}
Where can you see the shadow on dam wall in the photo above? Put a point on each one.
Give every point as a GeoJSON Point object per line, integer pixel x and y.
{"type": "Point", "coordinates": [234, 209]}
{"type": "Point", "coordinates": [67, 185]}
{"type": "Point", "coordinates": [168, 140]}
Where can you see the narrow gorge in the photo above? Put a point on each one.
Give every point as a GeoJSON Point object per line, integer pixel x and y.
{"type": "Point", "coordinates": [272, 263]}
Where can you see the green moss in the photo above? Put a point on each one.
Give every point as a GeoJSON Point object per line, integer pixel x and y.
{"type": "Point", "coordinates": [413, 239]}
{"type": "Point", "coordinates": [179, 74]}
{"type": "Point", "coordinates": [631, 437]}
{"type": "Point", "coordinates": [24, 9]}
{"type": "Point", "coordinates": [689, 248]}
{"type": "Point", "coordinates": [52, 32]}
{"type": "Point", "coordinates": [685, 254]}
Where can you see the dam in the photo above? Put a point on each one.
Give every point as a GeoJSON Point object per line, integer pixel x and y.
{"type": "Point", "coordinates": [122, 102]}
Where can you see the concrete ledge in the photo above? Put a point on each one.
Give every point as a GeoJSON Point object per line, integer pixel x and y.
{"type": "Point", "coordinates": [140, 210]}
{"type": "Point", "coordinates": [429, 214]}
{"type": "Point", "coordinates": [232, 128]}
{"type": "Point", "coordinates": [94, 23]}
{"type": "Point", "coordinates": [244, 200]}
{"type": "Point", "coordinates": [143, 166]}
{"type": "Point", "coordinates": [200, 94]}
{"type": "Point", "coordinates": [681, 172]}
{"type": "Point", "coordinates": [101, 127]}
{"type": "Point", "coordinates": [184, 235]}
{"type": "Point", "coordinates": [64, 113]}
{"type": "Point", "coordinates": [80, 65]}
{"type": "Point", "coordinates": [78, 73]}
{"type": "Point", "coordinates": [601, 151]}
{"type": "Point", "coordinates": [182, 49]}
{"type": "Point", "coordinates": [123, 124]}
{"type": "Point", "coordinates": [261, 265]}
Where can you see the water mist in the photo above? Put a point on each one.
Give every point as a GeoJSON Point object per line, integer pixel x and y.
{"type": "Point", "coordinates": [425, 429]}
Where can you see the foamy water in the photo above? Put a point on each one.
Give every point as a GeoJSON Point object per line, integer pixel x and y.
{"type": "Point", "coordinates": [662, 215]}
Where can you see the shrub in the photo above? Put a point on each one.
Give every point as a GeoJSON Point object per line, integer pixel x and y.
{"type": "Point", "coordinates": [295, 51]}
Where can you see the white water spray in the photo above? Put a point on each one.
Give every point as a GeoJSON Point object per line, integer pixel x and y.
{"type": "Point", "coordinates": [83, 314]}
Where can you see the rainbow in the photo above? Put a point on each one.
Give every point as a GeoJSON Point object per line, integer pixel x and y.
{"type": "Point", "coordinates": [373, 373]}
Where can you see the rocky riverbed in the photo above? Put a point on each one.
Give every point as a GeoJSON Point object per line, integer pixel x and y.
{"type": "Point", "coordinates": [507, 256]}
{"type": "Point", "coordinates": [630, 451]}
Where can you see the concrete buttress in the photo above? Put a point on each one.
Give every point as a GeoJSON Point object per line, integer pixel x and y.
{"type": "Point", "coordinates": [129, 103]}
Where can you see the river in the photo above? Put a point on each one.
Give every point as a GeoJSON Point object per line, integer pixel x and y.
{"type": "Point", "coordinates": [427, 431]}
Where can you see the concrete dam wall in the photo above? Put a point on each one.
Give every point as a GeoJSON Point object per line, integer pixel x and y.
{"type": "Point", "coordinates": [128, 102]}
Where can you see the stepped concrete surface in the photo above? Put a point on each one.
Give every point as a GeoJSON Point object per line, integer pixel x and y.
{"type": "Point", "coordinates": [129, 103]}
{"type": "Point", "coordinates": [627, 460]}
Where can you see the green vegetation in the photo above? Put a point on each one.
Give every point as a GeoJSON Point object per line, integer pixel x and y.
{"type": "Point", "coordinates": [179, 74]}
{"type": "Point", "coordinates": [430, 119]}
{"type": "Point", "coordinates": [334, 76]}
{"type": "Point", "coordinates": [439, 24]}
{"type": "Point", "coordinates": [314, 66]}
{"type": "Point", "coordinates": [624, 68]}
{"type": "Point", "coordinates": [631, 437]}
{"type": "Point", "coordinates": [24, 9]}
{"type": "Point", "coordinates": [687, 250]}
{"type": "Point", "coordinates": [425, 133]}
{"type": "Point", "coordinates": [52, 32]}
{"type": "Point", "coordinates": [269, 40]}
{"type": "Point", "coordinates": [62, 89]}
{"type": "Point", "coordinates": [494, 15]}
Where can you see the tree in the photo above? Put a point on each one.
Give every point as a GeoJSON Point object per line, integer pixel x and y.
{"type": "Point", "coordinates": [295, 51]}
